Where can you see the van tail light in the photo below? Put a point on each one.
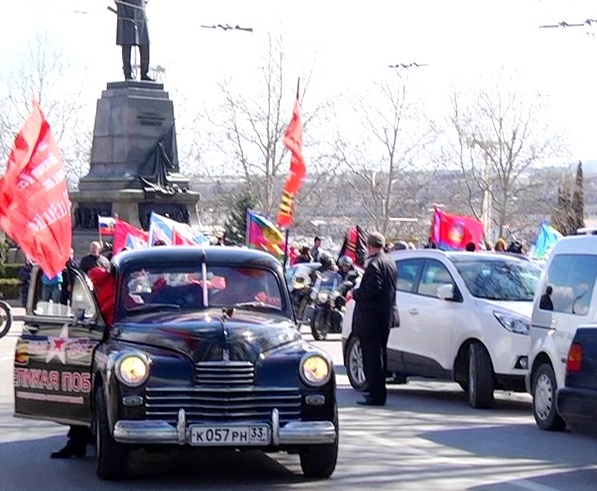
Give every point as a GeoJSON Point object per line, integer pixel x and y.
{"type": "Point", "coordinates": [574, 361]}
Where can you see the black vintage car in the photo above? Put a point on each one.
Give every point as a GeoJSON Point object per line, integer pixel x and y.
{"type": "Point", "coordinates": [203, 352]}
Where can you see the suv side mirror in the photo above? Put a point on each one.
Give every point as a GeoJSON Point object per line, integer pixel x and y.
{"type": "Point", "coordinates": [445, 292]}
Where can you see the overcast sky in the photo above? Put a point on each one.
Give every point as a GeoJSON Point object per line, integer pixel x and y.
{"type": "Point", "coordinates": [351, 44]}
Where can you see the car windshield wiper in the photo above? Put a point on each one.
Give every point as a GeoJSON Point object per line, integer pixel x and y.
{"type": "Point", "coordinates": [254, 304]}
{"type": "Point", "coordinates": [151, 307]}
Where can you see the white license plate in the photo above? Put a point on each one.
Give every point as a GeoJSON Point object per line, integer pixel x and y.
{"type": "Point", "coordinates": [229, 435]}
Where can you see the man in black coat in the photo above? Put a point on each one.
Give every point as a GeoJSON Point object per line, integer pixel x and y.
{"type": "Point", "coordinates": [131, 30]}
{"type": "Point", "coordinates": [374, 314]}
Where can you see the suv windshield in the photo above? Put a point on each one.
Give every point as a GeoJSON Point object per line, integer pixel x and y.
{"type": "Point", "coordinates": [163, 287]}
{"type": "Point", "coordinates": [500, 280]}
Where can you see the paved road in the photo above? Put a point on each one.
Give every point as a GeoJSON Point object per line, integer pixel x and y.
{"type": "Point", "coordinates": [426, 438]}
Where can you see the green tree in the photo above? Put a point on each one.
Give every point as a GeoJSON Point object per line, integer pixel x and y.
{"type": "Point", "coordinates": [578, 200]}
{"type": "Point", "coordinates": [236, 224]}
{"type": "Point", "coordinates": [561, 218]}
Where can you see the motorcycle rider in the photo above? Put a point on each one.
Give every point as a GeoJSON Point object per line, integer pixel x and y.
{"type": "Point", "coordinates": [348, 273]}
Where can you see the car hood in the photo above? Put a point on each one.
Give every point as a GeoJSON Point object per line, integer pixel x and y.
{"type": "Point", "coordinates": [522, 308]}
{"type": "Point", "coordinates": [210, 335]}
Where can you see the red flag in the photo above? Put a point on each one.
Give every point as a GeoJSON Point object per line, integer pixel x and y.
{"type": "Point", "coordinates": [451, 232]}
{"type": "Point", "coordinates": [125, 235]}
{"type": "Point", "coordinates": [35, 210]}
{"type": "Point", "coordinates": [293, 141]}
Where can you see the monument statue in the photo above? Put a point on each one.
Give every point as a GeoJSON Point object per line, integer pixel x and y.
{"type": "Point", "coordinates": [131, 30]}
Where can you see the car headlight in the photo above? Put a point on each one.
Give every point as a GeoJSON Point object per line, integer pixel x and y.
{"type": "Point", "coordinates": [322, 297]}
{"type": "Point", "coordinates": [132, 370]}
{"type": "Point", "coordinates": [315, 369]}
{"type": "Point", "coordinates": [513, 323]}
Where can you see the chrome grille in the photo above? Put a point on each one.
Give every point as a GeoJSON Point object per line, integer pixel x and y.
{"type": "Point", "coordinates": [222, 404]}
{"type": "Point", "coordinates": [224, 373]}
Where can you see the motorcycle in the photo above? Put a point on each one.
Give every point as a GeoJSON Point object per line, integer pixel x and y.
{"type": "Point", "coordinates": [301, 279]}
{"type": "Point", "coordinates": [329, 296]}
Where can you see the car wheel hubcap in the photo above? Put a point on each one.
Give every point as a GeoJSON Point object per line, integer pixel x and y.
{"type": "Point", "coordinates": [356, 364]}
{"type": "Point", "coordinates": [543, 396]}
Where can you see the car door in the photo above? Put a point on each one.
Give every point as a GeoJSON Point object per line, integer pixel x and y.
{"type": "Point", "coordinates": [566, 298]}
{"type": "Point", "coordinates": [427, 343]}
{"type": "Point", "coordinates": [53, 355]}
{"type": "Point", "coordinates": [408, 271]}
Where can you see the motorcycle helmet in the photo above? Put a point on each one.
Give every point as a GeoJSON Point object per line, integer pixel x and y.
{"type": "Point", "coordinates": [345, 261]}
{"type": "Point", "coordinates": [326, 260]}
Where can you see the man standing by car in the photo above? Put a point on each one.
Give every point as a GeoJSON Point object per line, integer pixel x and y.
{"type": "Point", "coordinates": [374, 314]}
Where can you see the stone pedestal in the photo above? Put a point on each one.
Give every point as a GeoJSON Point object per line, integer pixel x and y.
{"type": "Point", "coordinates": [132, 118]}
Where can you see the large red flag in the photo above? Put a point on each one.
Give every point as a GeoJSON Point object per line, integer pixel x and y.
{"type": "Point", "coordinates": [293, 141]}
{"type": "Point", "coordinates": [35, 210]}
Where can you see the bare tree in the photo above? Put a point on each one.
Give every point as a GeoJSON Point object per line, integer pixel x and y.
{"type": "Point", "coordinates": [247, 131]}
{"type": "Point", "coordinates": [378, 160]}
{"type": "Point", "coordinates": [45, 74]}
{"type": "Point", "coordinates": [496, 137]}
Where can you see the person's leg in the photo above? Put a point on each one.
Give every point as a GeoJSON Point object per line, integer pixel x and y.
{"type": "Point", "coordinates": [76, 445]}
{"type": "Point", "coordinates": [144, 54]}
{"type": "Point", "coordinates": [126, 62]}
{"type": "Point", "coordinates": [373, 368]}
{"type": "Point", "coordinates": [46, 293]}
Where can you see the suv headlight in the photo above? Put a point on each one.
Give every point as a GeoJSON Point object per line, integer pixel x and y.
{"type": "Point", "coordinates": [513, 323]}
{"type": "Point", "coordinates": [132, 369]}
{"type": "Point", "coordinates": [315, 369]}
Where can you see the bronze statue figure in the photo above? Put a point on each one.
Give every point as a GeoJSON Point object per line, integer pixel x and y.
{"type": "Point", "coordinates": [131, 30]}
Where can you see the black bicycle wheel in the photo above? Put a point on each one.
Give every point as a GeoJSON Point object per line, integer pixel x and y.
{"type": "Point", "coordinates": [5, 318]}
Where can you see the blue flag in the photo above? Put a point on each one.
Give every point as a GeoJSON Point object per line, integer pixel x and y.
{"type": "Point", "coordinates": [546, 239]}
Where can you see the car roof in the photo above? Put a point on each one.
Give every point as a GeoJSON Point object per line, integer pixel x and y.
{"type": "Point", "coordinates": [459, 256]}
{"type": "Point", "coordinates": [577, 244]}
{"type": "Point", "coordinates": [196, 254]}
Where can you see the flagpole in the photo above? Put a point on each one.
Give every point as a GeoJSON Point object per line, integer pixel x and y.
{"type": "Point", "coordinates": [298, 86]}
{"type": "Point", "coordinates": [287, 233]}
{"type": "Point", "coordinates": [247, 227]}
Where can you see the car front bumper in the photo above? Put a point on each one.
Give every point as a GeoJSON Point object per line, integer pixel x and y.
{"type": "Point", "coordinates": [578, 406]}
{"type": "Point", "coordinates": [162, 432]}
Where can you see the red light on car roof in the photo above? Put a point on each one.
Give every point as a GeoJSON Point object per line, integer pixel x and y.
{"type": "Point", "coordinates": [574, 361]}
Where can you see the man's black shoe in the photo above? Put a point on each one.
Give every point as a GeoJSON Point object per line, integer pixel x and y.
{"type": "Point", "coordinates": [370, 402]}
{"type": "Point", "coordinates": [147, 78]}
{"type": "Point", "coordinates": [69, 451]}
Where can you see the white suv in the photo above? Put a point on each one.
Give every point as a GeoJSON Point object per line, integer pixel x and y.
{"type": "Point", "coordinates": [464, 316]}
{"type": "Point", "coordinates": [566, 297]}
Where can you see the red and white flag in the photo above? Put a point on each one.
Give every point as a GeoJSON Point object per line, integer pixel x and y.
{"type": "Point", "coordinates": [35, 210]}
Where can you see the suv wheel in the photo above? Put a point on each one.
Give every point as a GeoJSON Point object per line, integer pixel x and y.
{"type": "Point", "coordinates": [544, 399]}
{"type": "Point", "coordinates": [354, 364]}
{"type": "Point", "coordinates": [480, 377]}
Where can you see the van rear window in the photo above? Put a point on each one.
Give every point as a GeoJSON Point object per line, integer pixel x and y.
{"type": "Point", "coordinates": [569, 288]}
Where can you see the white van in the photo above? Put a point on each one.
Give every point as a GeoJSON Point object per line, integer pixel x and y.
{"type": "Point", "coordinates": [566, 297]}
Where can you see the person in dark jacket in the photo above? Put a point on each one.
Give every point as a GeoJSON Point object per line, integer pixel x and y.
{"type": "Point", "coordinates": [374, 314]}
{"type": "Point", "coordinates": [94, 258]}
{"type": "Point", "coordinates": [131, 30]}
{"type": "Point", "coordinates": [24, 276]}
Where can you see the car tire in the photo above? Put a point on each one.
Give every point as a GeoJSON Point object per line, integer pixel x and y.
{"type": "Point", "coordinates": [319, 325]}
{"type": "Point", "coordinates": [480, 377]}
{"type": "Point", "coordinates": [544, 399]}
{"type": "Point", "coordinates": [112, 457]}
{"type": "Point", "coordinates": [319, 461]}
{"type": "Point", "coordinates": [354, 364]}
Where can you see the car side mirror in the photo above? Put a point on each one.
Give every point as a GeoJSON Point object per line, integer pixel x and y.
{"type": "Point", "coordinates": [445, 292]}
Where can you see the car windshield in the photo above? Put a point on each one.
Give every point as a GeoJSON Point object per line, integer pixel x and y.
{"type": "Point", "coordinates": [158, 288]}
{"type": "Point", "coordinates": [500, 280]}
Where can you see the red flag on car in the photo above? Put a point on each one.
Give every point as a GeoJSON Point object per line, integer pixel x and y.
{"type": "Point", "coordinates": [293, 141]}
{"type": "Point", "coordinates": [35, 210]}
{"type": "Point", "coordinates": [454, 232]}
